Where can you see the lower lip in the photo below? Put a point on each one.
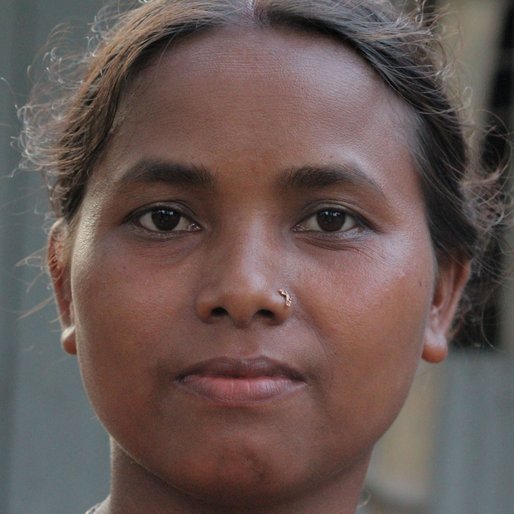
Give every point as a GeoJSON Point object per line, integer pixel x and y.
{"type": "Point", "coordinates": [240, 390]}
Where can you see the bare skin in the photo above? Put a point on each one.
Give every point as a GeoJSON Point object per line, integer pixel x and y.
{"type": "Point", "coordinates": [246, 162]}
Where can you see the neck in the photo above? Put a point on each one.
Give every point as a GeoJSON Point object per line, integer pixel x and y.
{"type": "Point", "coordinates": [134, 490]}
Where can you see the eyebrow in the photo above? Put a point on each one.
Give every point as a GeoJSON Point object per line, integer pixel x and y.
{"type": "Point", "coordinates": [319, 177]}
{"type": "Point", "coordinates": [147, 171]}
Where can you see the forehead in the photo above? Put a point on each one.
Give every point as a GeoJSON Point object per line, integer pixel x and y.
{"type": "Point", "coordinates": [251, 91]}
{"type": "Point", "coordinates": [229, 63]}
{"type": "Point", "coordinates": [245, 54]}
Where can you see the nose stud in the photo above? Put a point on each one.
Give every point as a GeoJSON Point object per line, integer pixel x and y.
{"type": "Point", "coordinates": [287, 297]}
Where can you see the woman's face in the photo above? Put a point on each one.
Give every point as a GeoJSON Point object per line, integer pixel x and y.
{"type": "Point", "coordinates": [245, 162]}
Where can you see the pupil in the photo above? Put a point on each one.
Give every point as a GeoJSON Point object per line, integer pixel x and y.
{"type": "Point", "coordinates": [330, 221]}
{"type": "Point", "coordinates": [165, 219]}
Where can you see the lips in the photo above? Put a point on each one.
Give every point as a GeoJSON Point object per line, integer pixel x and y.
{"type": "Point", "coordinates": [240, 381]}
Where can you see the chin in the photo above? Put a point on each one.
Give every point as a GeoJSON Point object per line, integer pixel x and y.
{"type": "Point", "coordinates": [251, 480]}
{"type": "Point", "coordinates": [234, 478]}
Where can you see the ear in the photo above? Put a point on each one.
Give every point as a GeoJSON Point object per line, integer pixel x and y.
{"type": "Point", "coordinates": [452, 278]}
{"type": "Point", "coordinates": [58, 265]}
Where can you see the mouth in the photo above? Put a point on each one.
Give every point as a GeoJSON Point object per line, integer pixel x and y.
{"type": "Point", "coordinates": [240, 381]}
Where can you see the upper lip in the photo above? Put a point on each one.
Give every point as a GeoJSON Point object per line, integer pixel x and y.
{"type": "Point", "coordinates": [242, 368]}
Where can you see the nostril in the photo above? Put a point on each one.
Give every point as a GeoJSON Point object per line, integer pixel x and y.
{"type": "Point", "coordinates": [219, 311]}
{"type": "Point", "coordinates": [265, 313]}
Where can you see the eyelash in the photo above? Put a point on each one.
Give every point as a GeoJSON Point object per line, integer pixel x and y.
{"type": "Point", "coordinates": [332, 216]}
{"type": "Point", "coordinates": [177, 218]}
{"type": "Point", "coordinates": [329, 215]}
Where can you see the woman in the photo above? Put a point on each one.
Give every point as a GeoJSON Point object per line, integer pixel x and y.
{"type": "Point", "coordinates": [266, 216]}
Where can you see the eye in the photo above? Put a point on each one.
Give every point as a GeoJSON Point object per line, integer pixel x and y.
{"type": "Point", "coordinates": [328, 220]}
{"type": "Point", "coordinates": [164, 219]}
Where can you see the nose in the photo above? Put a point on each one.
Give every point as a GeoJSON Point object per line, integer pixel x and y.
{"type": "Point", "coordinates": [242, 288]}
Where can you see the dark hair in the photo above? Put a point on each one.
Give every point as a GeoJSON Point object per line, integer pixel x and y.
{"type": "Point", "coordinates": [64, 135]}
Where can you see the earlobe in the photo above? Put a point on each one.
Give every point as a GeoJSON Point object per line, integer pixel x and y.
{"type": "Point", "coordinates": [435, 347]}
{"type": "Point", "coordinates": [58, 265]}
{"type": "Point", "coordinates": [451, 281]}
{"type": "Point", "coordinates": [68, 340]}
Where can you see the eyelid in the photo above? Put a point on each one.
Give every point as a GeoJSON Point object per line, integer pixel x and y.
{"type": "Point", "coordinates": [359, 220]}
{"type": "Point", "coordinates": [135, 216]}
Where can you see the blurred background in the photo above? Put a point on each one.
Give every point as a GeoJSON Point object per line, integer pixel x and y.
{"type": "Point", "coordinates": [450, 452]}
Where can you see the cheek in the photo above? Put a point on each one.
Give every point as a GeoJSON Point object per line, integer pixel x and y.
{"type": "Point", "coordinates": [127, 317]}
{"type": "Point", "coordinates": [371, 327]}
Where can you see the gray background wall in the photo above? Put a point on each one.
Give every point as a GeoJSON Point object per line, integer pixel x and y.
{"type": "Point", "coordinates": [54, 454]}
